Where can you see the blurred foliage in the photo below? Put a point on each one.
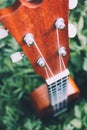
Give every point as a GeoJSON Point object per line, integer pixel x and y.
{"type": "Point", "coordinates": [78, 46]}
{"type": "Point", "coordinates": [6, 3]}
{"type": "Point", "coordinates": [18, 80]}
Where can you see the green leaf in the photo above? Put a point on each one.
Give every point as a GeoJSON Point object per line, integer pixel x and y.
{"type": "Point", "coordinates": [80, 23]}
{"type": "Point", "coordinates": [76, 123]}
{"type": "Point", "coordinates": [85, 64]}
{"type": "Point", "coordinates": [68, 127]}
{"type": "Point", "coordinates": [77, 111]}
{"type": "Point", "coordinates": [85, 121]}
{"type": "Point", "coordinates": [85, 108]}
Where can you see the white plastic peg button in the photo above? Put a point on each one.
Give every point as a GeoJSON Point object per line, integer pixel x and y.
{"type": "Point", "coordinates": [71, 30]}
{"type": "Point", "coordinates": [73, 4]}
{"type": "Point", "coordinates": [3, 33]}
{"type": "Point", "coordinates": [16, 57]}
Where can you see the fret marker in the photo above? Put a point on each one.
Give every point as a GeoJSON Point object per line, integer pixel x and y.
{"type": "Point", "coordinates": [29, 39]}
{"type": "Point", "coordinates": [59, 24]}
{"type": "Point", "coordinates": [62, 51]}
{"type": "Point", "coordinates": [18, 56]}
{"type": "Point", "coordinates": [41, 62]}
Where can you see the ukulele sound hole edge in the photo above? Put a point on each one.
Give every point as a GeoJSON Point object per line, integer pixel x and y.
{"type": "Point", "coordinates": [34, 1]}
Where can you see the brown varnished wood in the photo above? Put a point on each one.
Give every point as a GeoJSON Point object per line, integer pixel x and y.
{"type": "Point", "coordinates": [38, 17]}
{"type": "Point", "coordinates": [41, 102]}
{"type": "Point", "coordinates": [39, 20]}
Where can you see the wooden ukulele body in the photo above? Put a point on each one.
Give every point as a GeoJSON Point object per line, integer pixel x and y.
{"type": "Point", "coordinates": [38, 18]}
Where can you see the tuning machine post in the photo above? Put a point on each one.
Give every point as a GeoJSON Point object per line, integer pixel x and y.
{"type": "Point", "coordinates": [29, 39]}
{"type": "Point", "coordinates": [60, 24]}
{"type": "Point", "coordinates": [41, 62]}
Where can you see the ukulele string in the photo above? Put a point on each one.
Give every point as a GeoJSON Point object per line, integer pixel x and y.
{"type": "Point", "coordinates": [46, 73]}
{"type": "Point", "coordinates": [50, 89]}
{"type": "Point", "coordinates": [65, 84]}
{"type": "Point", "coordinates": [61, 63]}
{"type": "Point", "coordinates": [60, 68]}
{"type": "Point", "coordinates": [44, 59]}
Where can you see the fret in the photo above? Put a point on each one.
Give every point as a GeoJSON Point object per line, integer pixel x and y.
{"type": "Point", "coordinates": [53, 89]}
{"type": "Point", "coordinates": [59, 87]}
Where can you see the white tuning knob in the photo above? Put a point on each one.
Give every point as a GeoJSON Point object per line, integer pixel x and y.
{"type": "Point", "coordinates": [72, 4]}
{"type": "Point", "coordinates": [16, 57]}
{"type": "Point", "coordinates": [3, 33]}
{"type": "Point", "coordinates": [71, 30]}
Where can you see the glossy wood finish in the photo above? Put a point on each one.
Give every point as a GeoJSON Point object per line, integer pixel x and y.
{"type": "Point", "coordinates": [41, 102]}
{"type": "Point", "coordinates": [38, 18]}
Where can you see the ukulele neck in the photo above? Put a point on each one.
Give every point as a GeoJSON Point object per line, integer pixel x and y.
{"type": "Point", "coordinates": [57, 88]}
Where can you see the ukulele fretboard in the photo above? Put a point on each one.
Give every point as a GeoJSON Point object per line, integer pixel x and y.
{"type": "Point", "coordinates": [58, 92]}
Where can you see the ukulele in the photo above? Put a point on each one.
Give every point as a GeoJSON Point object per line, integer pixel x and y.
{"type": "Point", "coordinates": [41, 29]}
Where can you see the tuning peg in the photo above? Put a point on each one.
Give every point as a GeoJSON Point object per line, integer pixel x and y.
{"type": "Point", "coordinates": [29, 39]}
{"type": "Point", "coordinates": [59, 24]}
{"type": "Point", "coordinates": [71, 30]}
{"type": "Point", "coordinates": [41, 62]}
{"type": "Point", "coordinates": [72, 4]}
{"type": "Point", "coordinates": [3, 33]}
{"type": "Point", "coordinates": [62, 51]}
{"type": "Point", "coordinates": [17, 57]}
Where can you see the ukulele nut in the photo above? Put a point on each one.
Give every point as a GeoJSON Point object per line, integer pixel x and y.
{"type": "Point", "coordinates": [62, 51]}
{"type": "Point", "coordinates": [29, 39]}
{"type": "Point", "coordinates": [59, 24]}
{"type": "Point", "coordinates": [41, 62]}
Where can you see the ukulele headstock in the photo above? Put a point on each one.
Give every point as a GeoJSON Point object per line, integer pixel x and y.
{"type": "Point", "coordinates": [41, 29]}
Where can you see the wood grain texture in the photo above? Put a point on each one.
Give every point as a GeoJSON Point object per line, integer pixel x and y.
{"type": "Point", "coordinates": [38, 19]}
